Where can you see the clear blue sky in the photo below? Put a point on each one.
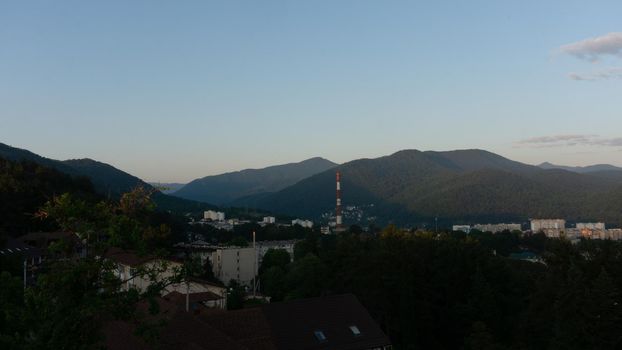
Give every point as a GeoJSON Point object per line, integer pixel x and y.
{"type": "Point", "coordinates": [175, 90]}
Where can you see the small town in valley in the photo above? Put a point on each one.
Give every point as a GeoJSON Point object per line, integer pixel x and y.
{"type": "Point", "coordinates": [310, 175]}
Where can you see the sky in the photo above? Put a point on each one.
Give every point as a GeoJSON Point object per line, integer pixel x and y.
{"type": "Point", "coordinates": [176, 90]}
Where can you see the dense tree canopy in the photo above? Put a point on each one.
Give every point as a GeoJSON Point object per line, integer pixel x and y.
{"type": "Point", "coordinates": [444, 291]}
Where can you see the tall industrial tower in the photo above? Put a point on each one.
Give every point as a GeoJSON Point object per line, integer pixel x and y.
{"type": "Point", "coordinates": [338, 218]}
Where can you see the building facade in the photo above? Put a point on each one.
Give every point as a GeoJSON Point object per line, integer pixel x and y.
{"type": "Point", "coordinates": [303, 223]}
{"type": "Point", "coordinates": [495, 228]}
{"type": "Point", "coordinates": [235, 263]}
{"type": "Point", "coordinates": [214, 215]}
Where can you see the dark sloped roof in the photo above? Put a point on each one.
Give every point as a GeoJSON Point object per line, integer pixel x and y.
{"type": "Point", "coordinates": [294, 323]}
{"type": "Point", "coordinates": [126, 257]}
{"type": "Point", "coordinates": [185, 331]}
{"type": "Point", "coordinates": [249, 327]}
{"type": "Point", "coordinates": [194, 297]}
{"type": "Point", "coordinates": [35, 236]}
{"type": "Point", "coordinates": [16, 247]}
{"type": "Point", "coordinates": [181, 330]}
{"type": "Point", "coordinates": [278, 326]}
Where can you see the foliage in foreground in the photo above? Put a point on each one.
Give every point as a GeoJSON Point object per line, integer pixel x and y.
{"type": "Point", "coordinates": [451, 291]}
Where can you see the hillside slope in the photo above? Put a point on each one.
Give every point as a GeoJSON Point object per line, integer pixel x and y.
{"type": "Point", "coordinates": [107, 180]}
{"type": "Point", "coordinates": [225, 188]}
{"type": "Point", "coordinates": [414, 187]}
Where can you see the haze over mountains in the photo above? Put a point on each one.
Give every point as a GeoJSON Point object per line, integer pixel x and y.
{"type": "Point", "coordinates": [107, 180]}
{"type": "Point", "coordinates": [581, 169]}
{"type": "Point", "coordinates": [414, 187]}
{"type": "Point", "coordinates": [407, 187]}
{"type": "Point", "coordinates": [225, 188]}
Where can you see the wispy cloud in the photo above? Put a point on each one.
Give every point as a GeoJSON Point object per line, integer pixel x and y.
{"type": "Point", "coordinates": [593, 49]}
{"type": "Point", "coordinates": [569, 141]}
{"type": "Point", "coordinates": [611, 73]}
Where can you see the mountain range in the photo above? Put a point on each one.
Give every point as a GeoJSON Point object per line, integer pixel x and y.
{"type": "Point", "coordinates": [226, 188]}
{"type": "Point", "coordinates": [581, 169]}
{"type": "Point", "coordinates": [107, 180]}
{"type": "Point", "coordinates": [466, 186]}
{"type": "Point", "coordinates": [409, 187]}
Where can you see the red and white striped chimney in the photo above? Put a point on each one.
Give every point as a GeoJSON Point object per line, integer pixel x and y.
{"type": "Point", "coordinates": [338, 218]}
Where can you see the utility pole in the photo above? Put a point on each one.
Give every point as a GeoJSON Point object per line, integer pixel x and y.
{"type": "Point", "coordinates": [187, 282]}
{"type": "Point", "coordinates": [25, 269]}
{"type": "Point", "coordinates": [254, 268]}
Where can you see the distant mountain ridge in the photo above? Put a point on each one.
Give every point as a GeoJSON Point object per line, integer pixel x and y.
{"type": "Point", "coordinates": [225, 188]}
{"type": "Point", "coordinates": [581, 169]}
{"type": "Point", "coordinates": [107, 180]}
{"type": "Point", "coordinates": [414, 187]}
{"type": "Point", "coordinates": [167, 187]}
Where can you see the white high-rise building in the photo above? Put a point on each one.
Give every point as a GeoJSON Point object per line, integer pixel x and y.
{"type": "Point", "coordinates": [234, 263]}
{"type": "Point", "coordinates": [214, 215]}
{"type": "Point", "coordinates": [552, 228]}
{"type": "Point", "coordinates": [303, 223]}
{"type": "Point", "coordinates": [591, 226]}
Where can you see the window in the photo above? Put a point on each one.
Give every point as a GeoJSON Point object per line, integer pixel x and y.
{"type": "Point", "coordinates": [319, 335]}
{"type": "Point", "coordinates": [355, 330]}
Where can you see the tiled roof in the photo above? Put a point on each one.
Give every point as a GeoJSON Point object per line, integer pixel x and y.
{"type": "Point", "coordinates": [342, 321]}
{"type": "Point", "coordinates": [16, 247]}
{"type": "Point", "coordinates": [126, 257]}
{"type": "Point", "coordinates": [247, 326]}
{"type": "Point", "coordinates": [294, 324]}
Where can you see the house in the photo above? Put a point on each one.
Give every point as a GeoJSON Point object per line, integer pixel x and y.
{"type": "Point", "coordinates": [131, 268]}
{"type": "Point", "coordinates": [71, 244]}
{"type": "Point", "coordinates": [337, 322]}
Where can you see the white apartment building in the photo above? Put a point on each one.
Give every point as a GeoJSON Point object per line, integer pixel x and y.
{"type": "Point", "coordinates": [235, 263]}
{"type": "Point", "coordinates": [269, 220]}
{"type": "Point", "coordinates": [303, 223]}
{"type": "Point", "coordinates": [547, 224]}
{"type": "Point", "coordinates": [463, 228]}
{"type": "Point", "coordinates": [264, 246]}
{"type": "Point", "coordinates": [214, 215]}
{"type": "Point", "coordinates": [600, 226]}
{"type": "Point", "coordinates": [494, 228]}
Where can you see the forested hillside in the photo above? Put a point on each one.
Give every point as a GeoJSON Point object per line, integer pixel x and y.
{"type": "Point", "coordinates": [470, 186]}
{"type": "Point", "coordinates": [26, 186]}
{"type": "Point", "coordinates": [224, 188]}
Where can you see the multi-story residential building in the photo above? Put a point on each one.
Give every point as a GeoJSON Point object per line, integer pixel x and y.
{"type": "Point", "coordinates": [591, 226]}
{"type": "Point", "coordinates": [552, 228]}
{"type": "Point", "coordinates": [268, 220]}
{"type": "Point", "coordinates": [264, 246]}
{"type": "Point", "coordinates": [494, 228]}
{"type": "Point", "coordinates": [214, 215]}
{"type": "Point", "coordinates": [547, 224]}
{"type": "Point", "coordinates": [614, 234]}
{"type": "Point", "coordinates": [235, 263]}
{"type": "Point", "coordinates": [463, 228]}
{"type": "Point", "coordinates": [303, 223]}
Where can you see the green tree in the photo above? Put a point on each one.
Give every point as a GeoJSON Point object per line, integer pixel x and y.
{"type": "Point", "coordinates": [604, 313]}
{"type": "Point", "coordinates": [235, 296]}
{"type": "Point", "coordinates": [307, 277]}
{"type": "Point", "coordinates": [275, 257]}
{"type": "Point", "coordinates": [274, 283]}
